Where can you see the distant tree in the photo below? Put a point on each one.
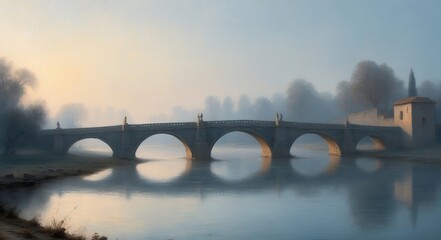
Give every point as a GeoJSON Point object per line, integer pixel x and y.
{"type": "Point", "coordinates": [374, 85]}
{"type": "Point", "coordinates": [412, 90]}
{"type": "Point", "coordinates": [346, 99]}
{"type": "Point", "coordinates": [18, 123]}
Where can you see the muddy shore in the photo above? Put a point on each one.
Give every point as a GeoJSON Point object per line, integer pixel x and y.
{"type": "Point", "coordinates": [29, 169]}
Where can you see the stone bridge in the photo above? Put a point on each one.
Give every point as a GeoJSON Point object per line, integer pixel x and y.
{"type": "Point", "coordinates": [274, 137]}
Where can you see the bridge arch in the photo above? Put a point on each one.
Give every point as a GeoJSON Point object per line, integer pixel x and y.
{"type": "Point", "coordinates": [69, 145]}
{"type": "Point", "coordinates": [260, 138]}
{"type": "Point", "coordinates": [188, 148]}
{"type": "Point", "coordinates": [378, 142]}
{"type": "Point", "coordinates": [333, 146]}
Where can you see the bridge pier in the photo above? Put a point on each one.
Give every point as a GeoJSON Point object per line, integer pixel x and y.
{"type": "Point", "coordinates": [281, 151]}
{"type": "Point", "coordinates": [124, 153]}
{"type": "Point", "coordinates": [59, 144]}
{"type": "Point", "coordinates": [202, 148]}
{"type": "Point", "coordinates": [201, 151]}
{"type": "Point", "coordinates": [281, 147]}
{"type": "Point", "coordinates": [125, 150]}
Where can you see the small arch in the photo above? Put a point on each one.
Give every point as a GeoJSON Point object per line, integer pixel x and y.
{"type": "Point", "coordinates": [90, 146]}
{"type": "Point", "coordinates": [264, 146]}
{"type": "Point", "coordinates": [370, 143]}
{"type": "Point", "coordinates": [312, 155]}
{"type": "Point", "coordinates": [333, 147]}
{"type": "Point", "coordinates": [401, 115]}
{"type": "Point", "coordinates": [166, 136]}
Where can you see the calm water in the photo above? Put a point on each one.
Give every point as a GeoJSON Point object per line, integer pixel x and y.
{"type": "Point", "coordinates": [243, 196]}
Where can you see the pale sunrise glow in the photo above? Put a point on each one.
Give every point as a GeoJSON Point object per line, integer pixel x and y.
{"type": "Point", "coordinates": [145, 58]}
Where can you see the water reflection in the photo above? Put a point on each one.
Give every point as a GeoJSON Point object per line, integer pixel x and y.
{"type": "Point", "coordinates": [99, 175]}
{"type": "Point", "coordinates": [368, 164]}
{"type": "Point", "coordinates": [315, 166]}
{"type": "Point", "coordinates": [239, 169]}
{"type": "Point", "coordinates": [390, 199]}
{"type": "Point", "coordinates": [163, 170]}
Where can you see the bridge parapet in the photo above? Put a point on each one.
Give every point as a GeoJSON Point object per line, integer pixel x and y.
{"type": "Point", "coordinates": [228, 123]}
{"type": "Point", "coordinates": [162, 125]}
{"type": "Point", "coordinates": [304, 125]}
{"type": "Point", "coordinates": [80, 130]}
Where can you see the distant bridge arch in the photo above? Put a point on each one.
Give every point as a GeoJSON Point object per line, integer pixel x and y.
{"type": "Point", "coordinates": [263, 140]}
{"type": "Point", "coordinates": [73, 141]}
{"type": "Point", "coordinates": [379, 143]}
{"type": "Point", "coordinates": [333, 146]}
{"type": "Point", "coordinates": [182, 139]}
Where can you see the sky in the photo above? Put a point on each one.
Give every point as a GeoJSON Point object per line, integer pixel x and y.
{"type": "Point", "coordinates": [144, 58]}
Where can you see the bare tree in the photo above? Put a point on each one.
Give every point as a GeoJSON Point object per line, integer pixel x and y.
{"type": "Point", "coordinates": [18, 123]}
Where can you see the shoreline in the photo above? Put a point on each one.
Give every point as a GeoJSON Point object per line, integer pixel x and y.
{"type": "Point", "coordinates": [31, 169]}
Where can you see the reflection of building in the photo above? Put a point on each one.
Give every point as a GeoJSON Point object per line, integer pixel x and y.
{"type": "Point", "coordinates": [404, 190]}
{"type": "Point", "coordinates": [416, 188]}
{"type": "Point", "coordinates": [414, 115]}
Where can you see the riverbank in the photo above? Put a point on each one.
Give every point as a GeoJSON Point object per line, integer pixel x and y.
{"type": "Point", "coordinates": [429, 154]}
{"type": "Point", "coordinates": [28, 169]}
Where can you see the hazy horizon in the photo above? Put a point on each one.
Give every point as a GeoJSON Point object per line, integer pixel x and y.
{"type": "Point", "coordinates": [162, 60]}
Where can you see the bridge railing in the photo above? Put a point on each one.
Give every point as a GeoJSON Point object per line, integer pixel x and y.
{"type": "Point", "coordinates": [306, 125]}
{"type": "Point", "coordinates": [153, 125]}
{"type": "Point", "coordinates": [80, 130]}
{"type": "Point", "coordinates": [238, 122]}
{"type": "Point", "coordinates": [225, 123]}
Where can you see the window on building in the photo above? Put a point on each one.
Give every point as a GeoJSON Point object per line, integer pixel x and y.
{"type": "Point", "coordinates": [424, 121]}
{"type": "Point", "coordinates": [401, 115]}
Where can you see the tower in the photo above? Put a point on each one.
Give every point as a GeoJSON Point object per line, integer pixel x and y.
{"type": "Point", "coordinates": [412, 90]}
{"type": "Point", "coordinates": [416, 117]}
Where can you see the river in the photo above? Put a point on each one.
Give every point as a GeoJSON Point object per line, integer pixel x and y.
{"type": "Point", "coordinates": [241, 195]}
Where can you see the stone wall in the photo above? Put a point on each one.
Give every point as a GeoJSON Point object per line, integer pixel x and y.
{"type": "Point", "coordinates": [372, 117]}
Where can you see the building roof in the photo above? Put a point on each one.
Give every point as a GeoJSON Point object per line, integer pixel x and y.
{"type": "Point", "coordinates": [414, 100]}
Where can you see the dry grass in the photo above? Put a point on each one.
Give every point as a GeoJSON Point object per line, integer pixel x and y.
{"type": "Point", "coordinates": [27, 234]}
{"type": "Point", "coordinates": [33, 228]}
{"type": "Point", "coordinates": [9, 212]}
{"type": "Point", "coordinates": [57, 229]}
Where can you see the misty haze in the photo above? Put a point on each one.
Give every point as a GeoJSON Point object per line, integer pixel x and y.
{"type": "Point", "coordinates": [220, 119]}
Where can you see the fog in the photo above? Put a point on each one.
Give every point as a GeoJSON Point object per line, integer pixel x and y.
{"type": "Point", "coordinates": [432, 90]}
{"type": "Point", "coordinates": [370, 85]}
{"type": "Point", "coordinates": [19, 122]}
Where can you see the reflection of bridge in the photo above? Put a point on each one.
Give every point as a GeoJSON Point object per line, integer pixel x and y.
{"type": "Point", "coordinates": [199, 138]}
{"type": "Point", "coordinates": [373, 196]}
{"type": "Point", "coordinates": [200, 176]}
